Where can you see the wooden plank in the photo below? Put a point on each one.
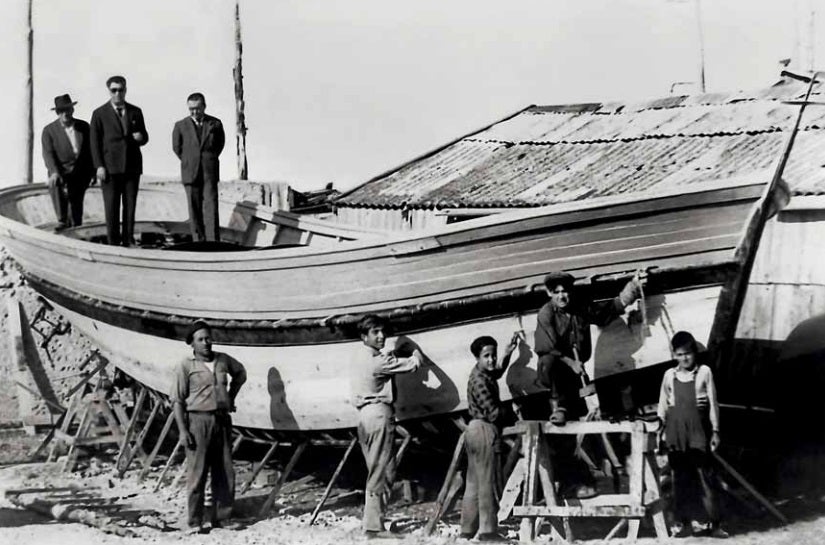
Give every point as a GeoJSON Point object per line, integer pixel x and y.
{"type": "Point", "coordinates": [530, 442]}
{"type": "Point", "coordinates": [511, 492]}
{"type": "Point", "coordinates": [578, 511]}
{"type": "Point", "coordinates": [653, 494]}
{"type": "Point", "coordinates": [638, 440]}
{"type": "Point", "coordinates": [604, 499]}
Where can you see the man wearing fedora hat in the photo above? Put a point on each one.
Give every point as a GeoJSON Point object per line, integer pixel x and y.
{"type": "Point", "coordinates": [68, 161]}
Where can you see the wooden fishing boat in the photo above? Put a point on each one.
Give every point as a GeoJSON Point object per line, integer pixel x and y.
{"type": "Point", "coordinates": [284, 295]}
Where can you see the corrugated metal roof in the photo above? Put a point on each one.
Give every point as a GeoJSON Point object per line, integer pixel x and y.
{"type": "Point", "coordinates": [552, 154]}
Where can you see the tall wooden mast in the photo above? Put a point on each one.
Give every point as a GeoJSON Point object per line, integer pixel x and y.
{"type": "Point", "coordinates": [29, 97]}
{"type": "Point", "coordinates": [240, 119]}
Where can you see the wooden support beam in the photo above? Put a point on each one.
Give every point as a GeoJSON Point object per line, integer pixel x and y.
{"type": "Point", "coordinates": [511, 492]}
{"type": "Point", "coordinates": [237, 443]}
{"type": "Point", "coordinates": [257, 470]}
{"type": "Point", "coordinates": [168, 464]}
{"type": "Point", "coordinates": [332, 480]}
{"type": "Point", "coordinates": [750, 488]}
{"type": "Point", "coordinates": [653, 495]}
{"type": "Point", "coordinates": [615, 530]}
{"type": "Point", "coordinates": [68, 417]}
{"type": "Point", "coordinates": [127, 435]}
{"type": "Point", "coordinates": [445, 488]}
{"type": "Point", "coordinates": [530, 444]}
{"type": "Point", "coordinates": [270, 500]}
{"type": "Point", "coordinates": [399, 455]}
{"type": "Point", "coordinates": [86, 379]}
{"type": "Point", "coordinates": [134, 449]}
{"type": "Point", "coordinates": [82, 430]}
{"type": "Point", "coordinates": [147, 464]}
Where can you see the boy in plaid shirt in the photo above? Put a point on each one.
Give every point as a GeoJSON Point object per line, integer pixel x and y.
{"type": "Point", "coordinates": [483, 488]}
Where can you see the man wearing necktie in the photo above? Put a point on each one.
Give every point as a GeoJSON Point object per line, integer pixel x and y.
{"type": "Point", "coordinates": [198, 140]}
{"type": "Point", "coordinates": [68, 161]}
{"type": "Point", "coordinates": [117, 134]}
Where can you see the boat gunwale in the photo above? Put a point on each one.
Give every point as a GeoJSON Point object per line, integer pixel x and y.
{"type": "Point", "coordinates": [382, 247]}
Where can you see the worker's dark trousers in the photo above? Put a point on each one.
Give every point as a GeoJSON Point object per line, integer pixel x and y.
{"type": "Point", "coordinates": [376, 432]}
{"type": "Point", "coordinates": [212, 432]}
{"type": "Point", "coordinates": [479, 509]}
{"type": "Point", "coordinates": [693, 486]}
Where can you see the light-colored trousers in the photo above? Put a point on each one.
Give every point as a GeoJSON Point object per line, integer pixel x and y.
{"type": "Point", "coordinates": [376, 433]}
{"type": "Point", "coordinates": [479, 508]}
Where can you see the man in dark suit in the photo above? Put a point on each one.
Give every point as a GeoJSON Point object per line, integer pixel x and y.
{"type": "Point", "coordinates": [198, 140]}
{"type": "Point", "coordinates": [117, 134]}
{"type": "Point", "coordinates": [68, 161]}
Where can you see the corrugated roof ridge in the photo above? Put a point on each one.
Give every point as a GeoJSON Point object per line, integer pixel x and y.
{"type": "Point", "coordinates": [652, 136]}
{"type": "Point", "coordinates": [430, 153]}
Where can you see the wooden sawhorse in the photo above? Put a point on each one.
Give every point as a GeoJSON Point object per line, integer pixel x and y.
{"type": "Point", "coordinates": [535, 469]}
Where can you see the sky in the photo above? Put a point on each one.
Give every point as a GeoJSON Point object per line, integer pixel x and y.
{"type": "Point", "coordinates": [342, 90]}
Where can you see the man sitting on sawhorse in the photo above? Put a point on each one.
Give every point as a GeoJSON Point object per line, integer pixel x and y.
{"type": "Point", "coordinates": [563, 344]}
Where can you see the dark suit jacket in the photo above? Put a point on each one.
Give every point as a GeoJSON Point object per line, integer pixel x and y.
{"type": "Point", "coordinates": [195, 155]}
{"type": "Point", "coordinates": [111, 147]}
{"type": "Point", "coordinates": [59, 155]}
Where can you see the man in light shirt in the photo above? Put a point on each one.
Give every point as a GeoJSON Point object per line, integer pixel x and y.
{"type": "Point", "coordinates": [68, 161]}
{"type": "Point", "coordinates": [371, 382]}
{"type": "Point", "coordinates": [203, 397]}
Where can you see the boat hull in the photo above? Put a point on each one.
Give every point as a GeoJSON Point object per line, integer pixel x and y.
{"type": "Point", "coordinates": [288, 314]}
{"type": "Point", "coordinates": [305, 387]}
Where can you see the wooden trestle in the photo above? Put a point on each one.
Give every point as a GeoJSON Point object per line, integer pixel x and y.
{"type": "Point", "coordinates": [531, 477]}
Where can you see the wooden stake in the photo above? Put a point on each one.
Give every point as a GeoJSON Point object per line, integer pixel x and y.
{"type": "Point", "coordinates": [445, 488]}
{"type": "Point", "coordinates": [258, 469]}
{"type": "Point", "coordinates": [331, 483]}
{"type": "Point", "coordinates": [168, 464]}
{"type": "Point", "coordinates": [147, 465]}
{"type": "Point", "coordinates": [267, 507]}
{"type": "Point", "coordinates": [749, 487]}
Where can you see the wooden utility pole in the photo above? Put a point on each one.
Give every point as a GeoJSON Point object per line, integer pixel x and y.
{"type": "Point", "coordinates": [29, 98]}
{"type": "Point", "coordinates": [701, 33]}
{"type": "Point", "coordinates": [240, 118]}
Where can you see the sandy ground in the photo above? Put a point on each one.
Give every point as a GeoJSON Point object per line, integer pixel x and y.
{"type": "Point", "coordinates": [153, 517]}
